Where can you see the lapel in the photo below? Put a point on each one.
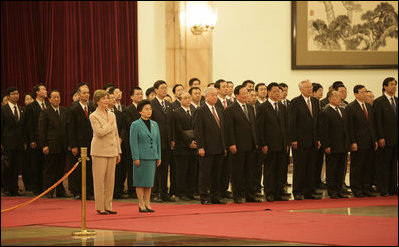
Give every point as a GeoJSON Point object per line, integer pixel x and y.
{"type": "Point", "coordinates": [242, 114]}
{"type": "Point", "coordinates": [270, 107]}
{"type": "Point", "coordinates": [306, 105]}
{"type": "Point", "coordinates": [143, 126]}
{"type": "Point", "coordinates": [336, 114]}
{"type": "Point", "coordinates": [211, 115]}
{"type": "Point", "coordinates": [55, 115]}
{"type": "Point", "coordinates": [11, 113]}
{"type": "Point", "coordinates": [359, 110]}
{"type": "Point", "coordinates": [389, 104]}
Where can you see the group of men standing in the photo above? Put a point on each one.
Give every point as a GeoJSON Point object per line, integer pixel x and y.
{"type": "Point", "coordinates": [211, 140]}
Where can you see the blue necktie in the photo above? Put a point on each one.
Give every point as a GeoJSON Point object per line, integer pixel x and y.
{"type": "Point", "coordinates": [276, 108]}
{"type": "Point", "coordinates": [393, 105]}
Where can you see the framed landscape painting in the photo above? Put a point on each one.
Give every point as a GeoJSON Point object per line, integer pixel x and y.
{"type": "Point", "coordinates": [344, 34]}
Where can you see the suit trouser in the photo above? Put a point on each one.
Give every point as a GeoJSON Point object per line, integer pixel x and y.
{"type": "Point", "coordinates": [15, 159]}
{"type": "Point", "coordinates": [257, 175]}
{"type": "Point", "coordinates": [54, 167]}
{"type": "Point", "coordinates": [37, 170]}
{"type": "Point", "coordinates": [273, 177]}
{"type": "Point", "coordinates": [225, 174]}
{"type": "Point", "coordinates": [243, 164]}
{"type": "Point", "coordinates": [360, 170]}
{"type": "Point", "coordinates": [304, 170]}
{"type": "Point", "coordinates": [209, 176]}
{"type": "Point", "coordinates": [129, 169]}
{"type": "Point", "coordinates": [161, 174]}
{"type": "Point", "coordinates": [387, 169]}
{"type": "Point", "coordinates": [27, 169]}
{"type": "Point", "coordinates": [285, 168]}
{"type": "Point", "coordinates": [318, 167]}
{"type": "Point", "coordinates": [103, 180]}
{"type": "Point", "coordinates": [186, 171]}
{"type": "Point", "coordinates": [121, 173]}
{"type": "Point", "coordinates": [75, 182]}
{"type": "Point", "coordinates": [334, 168]}
{"type": "Point", "coordinates": [172, 174]}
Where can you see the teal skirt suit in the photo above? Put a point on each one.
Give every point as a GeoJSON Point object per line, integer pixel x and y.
{"type": "Point", "coordinates": [146, 147]}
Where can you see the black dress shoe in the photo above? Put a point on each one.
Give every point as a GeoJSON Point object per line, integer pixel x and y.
{"type": "Point", "coordinates": [312, 196]}
{"type": "Point", "coordinates": [168, 198]}
{"type": "Point", "coordinates": [149, 210]}
{"type": "Point", "coordinates": [184, 198]}
{"type": "Point", "coordinates": [218, 201]}
{"type": "Point", "coordinates": [334, 196]}
{"type": "Point", "coordinates": [121, 196]}
{"type": "Point", "coordinates": [111, 212]}
{"type": "Point", "coordinates": [298, 197]}
{"type": "Point", "coordinates": [205, 202]}
{"type": "Point", "coordinates": [342, 195]}
{"type": "Point", "coordinates": [64, 195]}
{"type": "Point", "coordinates": [142, 210]}
{"type": "Point", "coordinates": [77, 197]}
{"type": "Point", "coordinates": [238, 200]}
{"type": "Point", "coordinates": [270, 198]}
{"type": "Point", "coordinates": [281, 198]}
{"type": "Point", "coordinates": [101, 212]}
{"type": "Point", "coordinates": [358, 195]}
{"type": "Point", "coordinates": [253, 199]}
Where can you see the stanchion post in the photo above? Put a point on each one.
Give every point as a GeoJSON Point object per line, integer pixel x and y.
{"type": "Point", "coordinates": [83, 231]}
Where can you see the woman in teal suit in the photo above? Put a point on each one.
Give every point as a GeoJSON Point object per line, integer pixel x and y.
{"type": "Point", "coordinates": [145, 143]}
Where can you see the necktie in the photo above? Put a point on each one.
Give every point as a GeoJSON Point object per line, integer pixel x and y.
{"type": "Point", "coordinates": [163, 106]}
{"type": "Point", "coordinates": [43, 107]}
{"type": "Point", "coordinates": [276, 108]}
{"type": "Point", "coordinates": [16, 113]}
{"type": "Point", "coordinates": [244, 107]}
{"type": "Point", "coordinates": [188, 112]}
{"type": "Point", "coordinates": [224, 104]}
{"type": "Point", "coordinates": [86, 112]}
{"type": "Point", "coordinates": [215, 116]}
{"type": "Point", "coordinates": [119, 108]}
{"type": "Point", "coordinates": [339, 112]}
{"type": "Point", "coordinates": [310, 108]}
{"type": "Point", "coordinates": [365, 111]}
{"type": "Point", "coordinates": [393, 105]}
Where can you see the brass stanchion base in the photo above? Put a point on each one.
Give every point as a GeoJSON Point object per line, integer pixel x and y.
{"type": "Point", "coordinates": [84, 233]}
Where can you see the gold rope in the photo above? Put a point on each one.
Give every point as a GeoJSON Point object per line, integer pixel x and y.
{"type": "Point", "coordinates": [45, 192]}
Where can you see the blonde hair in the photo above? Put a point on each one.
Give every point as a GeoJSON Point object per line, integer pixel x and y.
{"type": "Point", "coordinates": [98, 94]}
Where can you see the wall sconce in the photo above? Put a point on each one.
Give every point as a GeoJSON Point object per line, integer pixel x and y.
{"type": "Point", "coordinates": [199, 16]}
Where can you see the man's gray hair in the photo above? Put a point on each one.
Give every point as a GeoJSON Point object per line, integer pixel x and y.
{"type": "Point", "coordinates": [300, 84]}
{"type": "Point", "coordinates": [208, 90]}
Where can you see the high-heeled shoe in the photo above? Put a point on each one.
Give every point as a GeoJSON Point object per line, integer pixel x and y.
{"type": "Point", "coordinates": [142, 210]}
{"type": "Point", "coordinates": [101, 212]}
{"type": "Point", "coordinates": [110, 211]}
{"type": "Point", "coordinates": [150, 210]}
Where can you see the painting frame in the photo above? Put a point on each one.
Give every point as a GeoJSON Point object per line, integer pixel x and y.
{"type": "Point", "coordinates": [301, 58]}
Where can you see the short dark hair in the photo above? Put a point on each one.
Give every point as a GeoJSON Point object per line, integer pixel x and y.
{"type": "Point", "coordinates": [142, 103]}
{"type": "Point", "coordinates": [357, 88]}
{"type": "Point", "coordinates": [192, 80]}
{"type": "Point", "coordinates": [73, 92]}
{"type": "Point", "coordinates": [237, 89]}
{"type": "Point", "coordinates": [336, 83]}
{"type": "Point", "coordinates": [230, 82]}
{"type": "Point", "coordinates": [283, 85]}
{"type": "Point", "coordinates": [259, 85]}
{"type": "Point", "coordinates": [54, 91]}
{"type": "Point", "coordinates": [81, 84]}
{"type": "Point", "coordinates": [175, 86]}
{"type": "Point", "coordinates": [271, 85]}
{"type": "Point", "coordinates": [108, 84]}
{"type": "Point", "coordinates": [316, 86]}
{"type": "Point", "coordinates": [111, 90]}
{"type": "Point", "coordinates": [26, 94]}
{"type": "Point", "coordinates": [159, 83]}
{"type": "Point", "coordinates": [336, 87]}
{"type": "Point", "coordinates": [386, 82]}
{"type": "Point", "coordinates": [190, 91]}
{"type": "Point", "coordinates": [248, 81]}
{"type": "Point", "coordinates": [217, 83]}
{"type": "Point", "coordinates": [134, 89]}
{"type": "Point", "coordinates": [149, 91]}
{"type": "Point", "coordinates": [36, 88]}
{"type": "Point", "coordinates": [10, 90]}
{"type": "Point", "coordinates": [210, 84]}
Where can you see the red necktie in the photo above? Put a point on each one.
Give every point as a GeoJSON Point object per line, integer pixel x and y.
{"type": "Point", "coordinates": [224, 104]}
{"type": "Point", "coordinates": [365, 111]}
{"type": "Point", "coordinates": [87, 114]}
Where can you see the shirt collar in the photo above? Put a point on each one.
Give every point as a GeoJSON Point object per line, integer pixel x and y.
{"type": "Point", "coordinates": [12, 105]}
{"type": "Point", "coordinates": [82, 105]}
{"type": "Point", "coordinates": [55, 109]}
{"type": "Point", "coordinates": [185, 109]}
{"type": "Point", "coordinates": [271, 101]}
{"type": "Point", "coordinates": [40, 102]}
{"type": "Point", "coordinates": [389, 97]}
{"type": "Point", "coordinates": [306, 98]}
{"type": "Point", "coordinates": [360, 103]}
{"type": "Point", "coordinates": [160, 100]}
{"type": "Point", "coordinates": [195, 105]}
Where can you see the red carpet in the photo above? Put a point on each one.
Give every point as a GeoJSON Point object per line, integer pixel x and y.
{"type": "Point", "coordinates": [249, 220]}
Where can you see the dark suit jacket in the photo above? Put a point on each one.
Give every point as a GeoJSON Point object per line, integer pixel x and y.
{"type": "Point", "coordinates": [323, 103]}
{"type": "Point", "coordinates": [334, 130]}
{"type": "Point", "coordinates": [32, 117]}
{"type": "Point", "coordinates": [80, 132]}
{"type": "Point", "coordinates": [176, 104]}
{"type": "Point", "coordinates": [53, 129]}
{"type": "Point", "coordinates": [272, 130]}
{"type": "Point", "coordinates": [13, 132]}
{"type": "Point", "coordinates": [386, 120]}
{"type": "Point", "coordinates": [122, 106]}
{"type": "Point", "coordinates": [219, 104]}
{"type": "Point", "coordinates": [240, 131]}
{"type": "Point", "coordinates": [130, 114]}
{"type": "Point", "coordinates": [206, 131]}
{"type": "Point", "coordinates": [182, 122]}
{"type": "Point", "coordinates": [303, 126]}
{"type": "Point", "coordinates": [120, 123]}
{"type": "Point", "coordinates": [163, 120]}
{"type": "Point", "coordinates": [361, 130]}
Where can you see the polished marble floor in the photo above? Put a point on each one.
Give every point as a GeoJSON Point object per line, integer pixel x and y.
{"type": "Point", "coordinates": [55, 236]}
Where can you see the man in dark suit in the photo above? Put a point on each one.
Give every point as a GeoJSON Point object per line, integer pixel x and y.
{"type": "Point", "coordinates": [304, 125]}
{"type": "Point", "coordinates": [118, 97]}
{"type": "Point", "coordinates": [185, 152]}
{"type": "Point", "coordinates": [161, 113]}
{"type": "Point", "coordinates": [335, 140]}
{"type": "Point", "coordinates": [386, 118]}
{"type": "Point", "coordinates": [13, 140]}
{"type": "Point", "coordinates": [241, 140]}
{"type": "Point", "coordinates": [284, 88]}
{"type": "Point", "coordinates": [130, 114]}
{"type": "Point", "coordinates": [177, 90]}
{"type": "Point", "coordinates": [222, 103]}
{"type": "Point", "coordinates": [53, 139]}
{"type": "Point", "coordinates": [272, 126]}
{"type": "Point", "coordinates": [32, 116]}
{"type": "Point", "coordinates": [80, 135]}
{"type": "Point", "coordinates": [195, 93]}
{"type": "Point", "coordinates": [261, 91]}
{"type": "Point", "coordinates": [363, 143]}
{"type": "Point", "coordinates": [209, 131]}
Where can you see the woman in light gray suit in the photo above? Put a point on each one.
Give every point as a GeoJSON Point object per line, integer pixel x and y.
{"type": "Point", "coordinates": [145, 143]}
{"type": "Point", "coordinates": [105, 152]}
